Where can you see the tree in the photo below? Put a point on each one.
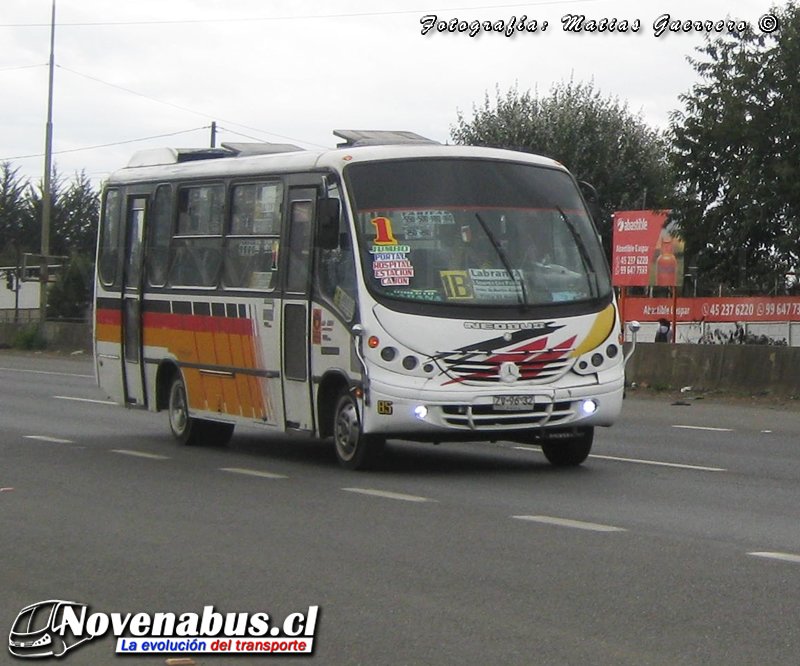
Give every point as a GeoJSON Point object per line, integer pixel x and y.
{"type": "Point", "coordinates": [734, 151]}
{"type": "Point", "coordinates": [75, 214]}
{"type": "Point", "coordinates": [75, 227]}
{"type": "Point", "coordinates": [596, 138]}
{"type": "Point", "coordinates": [74, 221]}
{"type": "Point", "coordinates": [17, 218]}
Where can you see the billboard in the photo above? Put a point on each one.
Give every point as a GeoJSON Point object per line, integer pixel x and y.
{"type": "Point", "coordinates": [645, 252]}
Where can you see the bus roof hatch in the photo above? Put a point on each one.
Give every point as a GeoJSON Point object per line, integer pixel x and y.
{"type": "Point", "coordinates": [354, 138]}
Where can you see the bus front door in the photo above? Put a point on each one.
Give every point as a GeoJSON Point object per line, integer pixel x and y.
{"type": "Point", "coordinates": [296, 379]}
{"type": "Point", "coordinates": [132, 366]}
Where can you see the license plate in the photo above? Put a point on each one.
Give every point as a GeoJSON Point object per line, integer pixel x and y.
{"type": "Point", "coordinates": [513, 403]}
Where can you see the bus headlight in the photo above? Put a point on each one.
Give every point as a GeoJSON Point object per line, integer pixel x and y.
{"type": "Point", "coordinates": [421, 412]}
{"type": "Point", "coordinates": [589, 406]}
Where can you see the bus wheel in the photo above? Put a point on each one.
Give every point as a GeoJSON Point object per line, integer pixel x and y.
{"type": "Point", "coordinates": [189, 430]}
{"type": "Point", "coordinates": [569, 452]}
{"type": "Point", "coordinates": [354, 449]}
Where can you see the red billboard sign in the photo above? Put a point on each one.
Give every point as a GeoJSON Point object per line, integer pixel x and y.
{"type": "Point", "coordinates": [744, 309]}
{"type": "Point", "coordinates": [645, 252]}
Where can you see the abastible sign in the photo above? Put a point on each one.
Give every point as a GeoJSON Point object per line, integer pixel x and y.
{"type": "Point", "coordinates": [645, 252]}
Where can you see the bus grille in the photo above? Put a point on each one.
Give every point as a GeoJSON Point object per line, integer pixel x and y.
{"type": "Point", "coordinates": [486, 417]}
{"type": "Point", "coordinates": [539, 369]}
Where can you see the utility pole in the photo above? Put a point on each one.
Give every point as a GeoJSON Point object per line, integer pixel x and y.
{"type": "Point", "coordinates": [48, 162]}
{"type": "Point", "coordinates": [213, 133]}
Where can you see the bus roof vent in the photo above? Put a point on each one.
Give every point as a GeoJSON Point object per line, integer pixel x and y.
{"type": "Point", "coordinates": [247, 149]}
{"type": "Point", "coordinates": [159, 156]}
{"type": "Point", "coordinates": [355, 138]}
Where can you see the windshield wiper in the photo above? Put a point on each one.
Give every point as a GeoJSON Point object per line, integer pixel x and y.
{"type": "Point", "coordinates": [522, 295]}
{"type": "Point", "coordinates": [586, 260]}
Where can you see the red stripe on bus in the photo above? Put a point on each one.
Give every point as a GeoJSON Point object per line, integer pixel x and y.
{"type": "Point", "coordinates": [111, 317]}
{"type": "Point", "coordinates": [198, 323]}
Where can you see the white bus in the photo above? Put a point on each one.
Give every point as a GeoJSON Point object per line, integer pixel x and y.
{"type": "Point", "coordinates": [390, 288]}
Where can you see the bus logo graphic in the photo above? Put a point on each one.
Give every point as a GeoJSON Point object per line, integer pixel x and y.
{"type": "Point", "coordinates": [39, 630]}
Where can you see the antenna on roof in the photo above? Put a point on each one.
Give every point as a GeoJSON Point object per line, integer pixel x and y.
{"type": "Point", "coordinates": [355, 138]}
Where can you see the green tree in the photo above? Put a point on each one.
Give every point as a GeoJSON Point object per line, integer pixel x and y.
{"type": "Point", "coordinates": [71, 296]}
{"type": "Point", "coordinates": [734, 150]}
{"type": "Point", "coordinates": [597, 138]}
{"type": "Point", "coordinates": [75, 209]}
{"type": "Point", "coordinates": [75, 226]}
{"type": "Point", "coordinates": [17, 217]}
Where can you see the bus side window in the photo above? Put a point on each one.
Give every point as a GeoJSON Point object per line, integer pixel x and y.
{"type": "Point", "coordinates": [108, 266]}
{"type": "Point", "coordinates": [196, 255]}
{"type": "Point", "coordinates": [251, 250]}
{"type": "Point", "coordinates": [337, 272]}
{"type": "Point", "coordinates": [159, 237]}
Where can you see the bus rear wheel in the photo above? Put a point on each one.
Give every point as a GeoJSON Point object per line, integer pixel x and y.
{"type": "Point", "coordinates": [189, 430]}
{"type": "Point", "coordinates": [354, 449]}
{"type": "Point", "coordinates": [569, 452]}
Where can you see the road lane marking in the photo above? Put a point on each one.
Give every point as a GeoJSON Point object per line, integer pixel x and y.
{"type": "Point", "coordinates": [657, 463]}
{"type": "Point", "coordinates": [388, 495]}
{"type": "Point", "coordinates": [139, 454]}
{"type": "Point", "coordinates": [45, 438]}
{"type": "Point", "coordinates": [640, 461]}
{"type": "Point", "coordinates": [96, 402]}
{"type": "Point", "coordinates": [692, 427]}
{"type": "Point", "coordinates": [574, 524]}
{"type": "Point", "coordinates": [784, 557]}
{"type": "Point", "coordinates": [47, 372]}
{"type": "Point", "coordinates": [253, 472]}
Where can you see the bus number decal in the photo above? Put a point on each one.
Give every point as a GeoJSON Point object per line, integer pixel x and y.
{"type": "Point", "coordinates": [457, 285]}
{"type": "Point", "coordinates": [385, 407]}
{"type": "Point", "coordinates": [383, 227]}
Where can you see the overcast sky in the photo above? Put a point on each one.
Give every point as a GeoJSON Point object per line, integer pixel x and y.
{"type": "Point", "coordinates": [135, 74]}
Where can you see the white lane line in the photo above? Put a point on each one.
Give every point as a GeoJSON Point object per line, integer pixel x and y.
{"type": "Point", "coordinates": [574, 524]}
{"type": "Point", "coordinates": [47, 372]}
{"type": "Point", "coordinates": [388, 495]}
{"type": "Point", "coordinates": [783, 557]}
{"type": "Point", "coordinates": [96, 402]}
{"type": "Point", "coordinates": [253, 472]}
{"type": "Point", "coordinates": [45, 438]}
{"type": "Point", "coordinates": [692, 427]}
{"type": "Point", "coordinates": [139, 454]}
{"type": "Point", "coordinates": [657, 463]}
{"type": "Point", "coordinates": [640, 461]}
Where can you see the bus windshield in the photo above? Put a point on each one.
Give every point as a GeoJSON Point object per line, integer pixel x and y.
{"type": "Point", "coordinates": [475, 232]}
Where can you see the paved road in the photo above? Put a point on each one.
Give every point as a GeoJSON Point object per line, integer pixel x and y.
{"type": "Point", "coordinates": [676, 543]}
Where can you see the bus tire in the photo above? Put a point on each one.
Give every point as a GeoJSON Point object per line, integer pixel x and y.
{"type": "Point", "coordinates": [569, 452]}
{"type": "Point", "coordinates": [354, 449]}
{"type": "Point", "coordinates": [191, 431]}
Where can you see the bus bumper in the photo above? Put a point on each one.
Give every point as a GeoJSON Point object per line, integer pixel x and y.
{"type": "Point", "coordinates": [421, 415]}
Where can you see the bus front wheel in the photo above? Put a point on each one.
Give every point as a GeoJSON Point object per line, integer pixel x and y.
{"type": "Point", "coordinates": [354, 449]}
{"type": "Point", "coordinates": [189, 430]}
{"type": "Point", "coordinates": [569, 452]}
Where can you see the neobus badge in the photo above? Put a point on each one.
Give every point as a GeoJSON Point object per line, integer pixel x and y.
{"type": "Point", "coordinates": [504, 326]}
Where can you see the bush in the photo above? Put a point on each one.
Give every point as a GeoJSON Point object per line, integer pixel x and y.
{"type": "Point", "coordinates": [30, 338]}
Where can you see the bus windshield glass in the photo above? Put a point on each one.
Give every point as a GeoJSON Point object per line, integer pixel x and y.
{"type": "Point", "coordinates": [475, 232]}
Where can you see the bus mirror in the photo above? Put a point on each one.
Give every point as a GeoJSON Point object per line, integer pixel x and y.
{"type": "Point", "coordinates": [592, 199]}
{"type": "Point", "coordinates": [328, 224]}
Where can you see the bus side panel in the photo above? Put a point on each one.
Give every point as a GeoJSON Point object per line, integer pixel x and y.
{"type": "Point", "coordinates": [221, 360]}
{"type": "Point", "coordinates": [108, 352]}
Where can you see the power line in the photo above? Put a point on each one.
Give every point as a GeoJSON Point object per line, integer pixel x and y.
{"type": "Point", "coordinates": [306, 17]}
{"type": "Point", "coordinates": [183, 108]}
{"type": "Point", "coordinates": [105, 145]}
{"type": "Point", "coordinates": [11, 69]}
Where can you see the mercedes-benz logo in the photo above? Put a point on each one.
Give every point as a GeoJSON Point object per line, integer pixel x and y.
{"type": "Point", "coordinates": [508, 372]}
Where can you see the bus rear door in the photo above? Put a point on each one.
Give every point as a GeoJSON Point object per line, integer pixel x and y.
{"type": "Point", "coordinates": [296, 379]}
{"type": "Point", "coordinates": [132, 366]}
